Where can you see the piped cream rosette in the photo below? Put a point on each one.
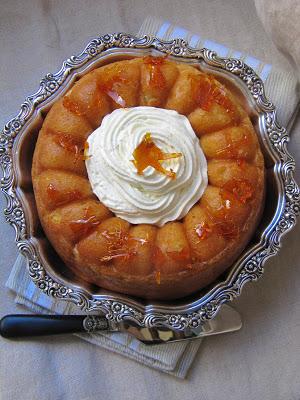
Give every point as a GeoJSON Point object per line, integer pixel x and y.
{"type": "Point", "coordinates": [150, 197]}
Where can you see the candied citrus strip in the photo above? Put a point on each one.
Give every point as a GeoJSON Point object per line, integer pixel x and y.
{"type": "Point", "coordinates": [121, 245]}
{"type": "Point", "coordinates": [148, 154]}
{"type": "Point", "coordinates": [86, 224]}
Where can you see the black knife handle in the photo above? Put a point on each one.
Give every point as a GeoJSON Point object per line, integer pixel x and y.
{"type": "Point", "coordinates": [26, 325]}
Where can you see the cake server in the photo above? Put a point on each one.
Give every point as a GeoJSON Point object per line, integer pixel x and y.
{"type": "Point", "coordinates": [27, 325]}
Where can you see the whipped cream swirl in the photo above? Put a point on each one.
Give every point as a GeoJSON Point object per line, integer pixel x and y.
{"type": "Point", "coordinates": [152, 197]}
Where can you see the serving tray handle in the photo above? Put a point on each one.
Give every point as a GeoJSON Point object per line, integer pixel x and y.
{"type": "Point", "coordinates": [24, 325]}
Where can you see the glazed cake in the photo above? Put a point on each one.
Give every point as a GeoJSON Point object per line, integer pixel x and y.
{"type": "Point", "coordinates": [148, 178]}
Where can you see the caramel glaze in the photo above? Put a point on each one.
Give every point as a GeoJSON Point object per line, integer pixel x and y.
{"type": "Point", "coordinates": [110, 88]}
{"type": "Point", "coordinates": [84, 226]}
{"type": "Point", "coordinates": [234, 194]}
{"type": "Point", "coordinates": [159, 257]}
{"type": "Point", "coordinates": [206, 92]}
{"type": "Point", "coordinates": [58, 198]}
{"type": "Point", "coordinates": [120, 245]}
{"type": "Point", "coordinates": [156, 76]}
{"type": "Point", "coordinates": [72, 106]}
{"type": "Point", "coordinates": [231, 149]}
{"type": "Point", "coordinates": [70, 144]}
{"type": "Point", "coordinates": [87, 101]}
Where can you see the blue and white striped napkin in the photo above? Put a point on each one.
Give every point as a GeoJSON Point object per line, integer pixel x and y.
{"type": "Point", "coordinates": [172, 358]}
{"type": "Point", "coordinates": [165, 30]}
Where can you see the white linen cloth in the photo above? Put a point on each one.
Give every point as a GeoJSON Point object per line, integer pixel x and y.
{"type": "Point", "coordinates": [173, 358]}
{"type": "Point", "coordinates": [281, 22]}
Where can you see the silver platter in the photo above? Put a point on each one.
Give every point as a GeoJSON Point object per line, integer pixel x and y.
{"type": "Point", "coordinates": [17, 142]}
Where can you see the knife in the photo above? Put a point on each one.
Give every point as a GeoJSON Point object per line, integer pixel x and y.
{"type": "Point", "coordinates": [27, 325]}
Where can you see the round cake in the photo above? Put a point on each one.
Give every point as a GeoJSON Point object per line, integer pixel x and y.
{"type": "Point", "coordinates": [148, 178]}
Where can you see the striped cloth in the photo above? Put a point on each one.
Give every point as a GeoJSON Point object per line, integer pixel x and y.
{"type": "Point", "coordinates": [165, 30]}
{"type": "Point", "coordinates": [172, 358]}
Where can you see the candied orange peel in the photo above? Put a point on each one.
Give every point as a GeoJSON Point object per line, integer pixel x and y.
{"type": "Point", "coordinates": [148, 154]}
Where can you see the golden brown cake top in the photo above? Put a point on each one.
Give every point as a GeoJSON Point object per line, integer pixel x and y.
{"type": "Point", "coordinates": [182, 255]}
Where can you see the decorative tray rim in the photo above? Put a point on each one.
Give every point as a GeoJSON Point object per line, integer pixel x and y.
{"type": "Point", "coordinates": [119, 308]}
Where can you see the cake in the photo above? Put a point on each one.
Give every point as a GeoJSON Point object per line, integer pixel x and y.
{"type": "Point", "coordinates": [148, 178]}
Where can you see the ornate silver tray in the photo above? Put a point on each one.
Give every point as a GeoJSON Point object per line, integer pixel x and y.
{"type": "Point", "coordinates": [17, 142]}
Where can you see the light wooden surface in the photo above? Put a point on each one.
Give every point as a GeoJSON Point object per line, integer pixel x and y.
{"type": "Point", "coordinates": [261, 361]}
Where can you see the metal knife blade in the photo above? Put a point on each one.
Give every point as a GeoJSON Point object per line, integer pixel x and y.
{"type": "Point", "coordinates": [26, 325]}
{"type": "Point", "coordinates": [227, 320]}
